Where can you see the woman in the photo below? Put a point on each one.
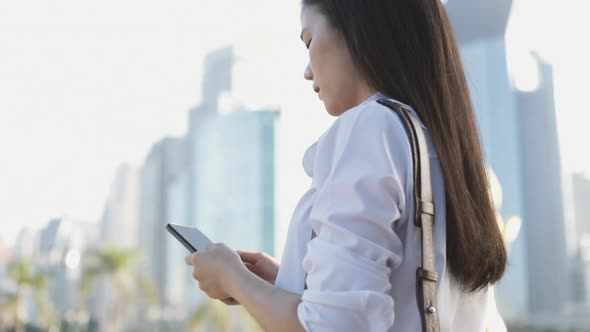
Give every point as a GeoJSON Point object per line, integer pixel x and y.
{"type": "Point", "coordinates": [360, 270]}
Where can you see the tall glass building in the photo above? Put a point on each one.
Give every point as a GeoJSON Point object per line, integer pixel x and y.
{"type": "Point", "coordinates": [166, 159]}
{"type": "Point", "coordinates": [494, 102]}
{"type": "Point", "coordinates": [544, 217]}
{"type": "Point", "coordinates": [480, 27]}
{"type": "Point", "coordinates": [519, 136]}
{"type": "Point", "coordinates": [581, 192]}
{"type": "Point", "coordinates": [232, 178]}
{"type": "Point", "coordinates": [234, 167]}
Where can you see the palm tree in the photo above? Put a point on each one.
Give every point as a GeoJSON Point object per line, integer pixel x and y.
{"type": "Point", "coordinates": [214, 315]}
{"type": "Point", "coordinates": [211, 315]}
{"type": "Point", "coordinates": [117, 266]}
{"type": "Point", "coordinates": [28, 280]}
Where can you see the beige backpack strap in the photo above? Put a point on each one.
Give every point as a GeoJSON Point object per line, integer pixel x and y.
{"type": "Point", "coordinates": [426, 276]}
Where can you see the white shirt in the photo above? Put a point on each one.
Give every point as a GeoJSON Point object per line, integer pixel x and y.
{"type": "Point", "coordinates": [361, 267]}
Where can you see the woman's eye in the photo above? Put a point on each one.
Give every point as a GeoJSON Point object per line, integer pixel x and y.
{"type": "Point", "coordinates": [308, 44]}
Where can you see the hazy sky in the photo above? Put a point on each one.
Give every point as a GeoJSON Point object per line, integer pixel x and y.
{"type": "Point", "coordinates": [85, 86]}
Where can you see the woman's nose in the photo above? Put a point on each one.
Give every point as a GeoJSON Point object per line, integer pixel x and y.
{"type": "Point", "coordinates": [307, 74]}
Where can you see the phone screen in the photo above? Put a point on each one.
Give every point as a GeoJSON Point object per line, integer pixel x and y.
{"type": "Point", "coordinates": [190, 237]}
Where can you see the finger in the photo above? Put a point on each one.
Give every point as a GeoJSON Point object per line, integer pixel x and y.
{"type": "Point", "coordinates": [196, 275]}
{"type": "Point", "coordinates": [230, 301]}
{"type": "Point", "coordinates": [216, 295]}
{"type": "Point", "coordinates": [249, 256]}
{"type": "Point", "coordinates": [250, 267]}
{"type": "Point", "coordinates": [203, 285]}
{"type": "Point", "coordinates": [188, 259]}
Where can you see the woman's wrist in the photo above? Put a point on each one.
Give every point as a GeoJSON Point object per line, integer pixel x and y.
{"type": "Point", "coordinates": [237, 280]}
{"type": "Point", "coordinates": [273, 308]}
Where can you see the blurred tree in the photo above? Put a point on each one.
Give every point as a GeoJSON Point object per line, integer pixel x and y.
{"type": "Point", "coordinates": [211, 316]}
{"type": "Point", "coordinates": [28, 280]}
{"type": "Point", "coordinates": [116, 265]}
{"type": "Point", "coordinates": [214, 315]}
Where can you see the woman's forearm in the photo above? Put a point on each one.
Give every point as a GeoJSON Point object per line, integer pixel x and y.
{"type": "Point", "coordinates": [274, 309]}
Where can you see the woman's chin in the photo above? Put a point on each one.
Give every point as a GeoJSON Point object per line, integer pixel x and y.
{"type": "Point", "coordinates": [332, 111]}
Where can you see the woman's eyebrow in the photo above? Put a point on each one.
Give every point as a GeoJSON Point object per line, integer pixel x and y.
{"type": "Point", "coordinates": [301, 35]}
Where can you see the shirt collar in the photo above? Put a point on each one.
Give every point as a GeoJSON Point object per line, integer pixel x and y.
{"type": "Point", "coordinates": [308, 159]}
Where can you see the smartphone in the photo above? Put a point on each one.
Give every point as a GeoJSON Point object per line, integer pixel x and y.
{"type": "Point", "coordinates": [190, 237]}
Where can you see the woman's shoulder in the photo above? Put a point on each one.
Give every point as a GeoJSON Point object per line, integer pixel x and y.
{"type": "Point", "coordinates": [369, 135]}
{"type": "Point", "coordinates": [368, 123]}
{"type": "Point", "coordinates": [383, 118]}
{"type": "Point", "coordinates": [371, 116]}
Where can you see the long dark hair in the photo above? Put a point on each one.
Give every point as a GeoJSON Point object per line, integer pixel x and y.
{"type": "Point", "coordinates": [406, 50]}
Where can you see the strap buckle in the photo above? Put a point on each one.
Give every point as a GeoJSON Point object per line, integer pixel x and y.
{"type": "Point", "coordinates": [423, 274]}
{"type": "Point", "coordinates": [425, 207]}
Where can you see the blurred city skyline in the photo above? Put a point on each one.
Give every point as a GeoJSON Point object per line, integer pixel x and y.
{"type": "Point", "coordinates": [88, 88]}
{"type": "Point", "coordinates": [117, 122]}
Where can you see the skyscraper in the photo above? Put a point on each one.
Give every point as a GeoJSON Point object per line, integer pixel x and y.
{"type": "Point", "coordinates": [232, 186]}
{"type": "Point", "coordinates": [178, 210]}
{"type": "Point", "coordinates": [220, 177]}
{"type": "Point", "coordinates": [165, 161]}
{"type": "Point", "coordinates": [581, 189]}
{"type": "Point", "coordinates": [580, 263]}
{"type": "Point", "coordinates": [580, 292]}
{"type": "Point", "coordinates": [235, 168]}
{"type": "Point", "coordinates": [543, 199]}
{"type": "Point", "coordinates": [218, 68]}
{"type": "Point", "coordinates": [118, 226]}
{"type": "Point", "coordinates": [62, 243]}
{"type": "Point", "coordinates": [519, 135]}
{"type": "Point", "coordinates": [120, 217]}
{"type": "Point", "coordinates": [480, 27]}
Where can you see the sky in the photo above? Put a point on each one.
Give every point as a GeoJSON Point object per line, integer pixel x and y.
{"type": "Point", "coordinates": [86, 86]}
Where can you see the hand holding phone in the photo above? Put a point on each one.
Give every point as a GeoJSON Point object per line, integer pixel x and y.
{"type": "Point", "coordinates": [261, 264]}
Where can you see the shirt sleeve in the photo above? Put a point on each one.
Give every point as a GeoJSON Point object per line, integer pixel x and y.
{"type": "Point", "coordinates": [349, 263]}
